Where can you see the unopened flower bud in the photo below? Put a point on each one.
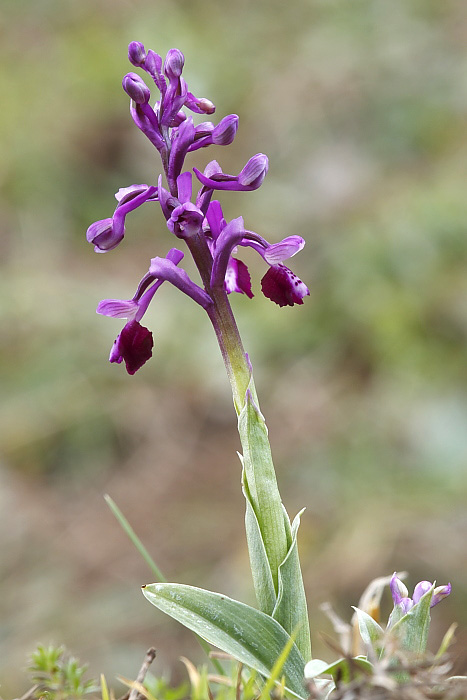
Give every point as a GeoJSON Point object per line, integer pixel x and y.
{"type": "Point", "coordinates": [136, 88]}
{"type": "Point", "coordinates": [420, 589]}
{"type": "Point", "coordinates": [439, 593]}
{"type": "Point", "coordinates": [136, 53]}
{"type": "Point", "coordinates": [205, 105]}
{"type": "Point", "coordinates": [173, 64]}
{"type": "Point", "coordinates": [224, 133]}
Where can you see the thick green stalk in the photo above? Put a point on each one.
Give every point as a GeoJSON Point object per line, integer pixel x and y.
{"type": "Point", "coordinates": [271, 539]}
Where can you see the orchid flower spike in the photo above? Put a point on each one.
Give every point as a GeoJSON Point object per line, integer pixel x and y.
{"type": "Point", "coordinates": [200, 223]}
{"type": "Point", "coordinates": [400, 594]}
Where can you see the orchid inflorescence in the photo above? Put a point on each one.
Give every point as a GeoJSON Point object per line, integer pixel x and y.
{"type": "Point", "coordinates": [201, 224]}
{"type": "Point", "coordinates": [400, 594]}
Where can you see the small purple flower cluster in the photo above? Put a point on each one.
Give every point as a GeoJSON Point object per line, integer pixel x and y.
{"type": "Point", "coordinates": [200, 223]}
{"type": "Point", "coordinates": [400, 594]}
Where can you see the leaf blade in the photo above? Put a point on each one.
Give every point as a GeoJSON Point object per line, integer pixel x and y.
{"type": "Point", "coordinates": [251, 636]}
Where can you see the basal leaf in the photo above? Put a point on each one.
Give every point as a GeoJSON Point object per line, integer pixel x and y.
{"type": "Point", "coordinates": [251, 636]}
{"type": "Point", "coordinates": [412, 629]}
{"type": "Point", "coordinates": [291, 608]}
{"type": "Point", "coordinates": [262, 485]}
{"type": "Point", "coordinates": [260, 568]}
{"type": "Point", "coordinates": [371, 633]}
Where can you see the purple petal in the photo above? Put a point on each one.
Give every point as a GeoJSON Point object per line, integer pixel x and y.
{"type": "Point", "coordinates": [165, 269]}
{"type": "Point", "coordinates": [224, 133]}
{"type": "Point", "coordinates": [153, 66]}
{"type": "Point", "coordinates": [406, 604]}
{"type": "Point", "coordinates": [212, 168]}
{"type": "Point", "coordinates": [287, 248]}
{"type": "Point", "coordinates": [146, 120]}
{"type": "Point", "coordinates": [420, 590]}
{"type": "Point", "coordinates": [106, 234]}
{"type": "Point", "coordinates": [125, 194]}
{"type": "Point", "coordinates": [136, 53]}
{"type": "Point", "coordinates": [283, 287]}
{"type": "Point", "coordinates": [250, 177]}
{"type": "Point", "coordinates": [398, 589]}
{"type": "Point", "coordinates": [136, 88]}
{"type": "Point", "coordinates": [237, 278]}
{"type": "Point", "coordinates": [230, 236]}
{"type": "Point", "coordinates": [218, 181]}
{"type": "Point", "coordinates": [134, 345]}
{"type": "Point", "coordinates": [254, 171]}
{"type": "Point", "coordinates": [173, 64]}
{"type": "Point", "coordinates": [167, 202]}
{"type": "Point", "coordinates": [199, 105]}
{"type": "Point", "coordinates": [118, 308]}
{"type": "Point", "coordinates": [439, 593]}
{"type": "Point", "coordinates": [184, 187]}
{"type": "Point", "coordinates": [182, 138]}
{"type": "Point", "coordinates": [215, 218]}
{"type": "Point", "coordinates": [185, 220]}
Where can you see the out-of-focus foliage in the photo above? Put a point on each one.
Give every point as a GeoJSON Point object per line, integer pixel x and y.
{"type": "Point", "coordinates": [361, 108]}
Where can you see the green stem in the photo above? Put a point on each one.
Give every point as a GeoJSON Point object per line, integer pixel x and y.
{"type": "Point", "coordinates": [260, 474]}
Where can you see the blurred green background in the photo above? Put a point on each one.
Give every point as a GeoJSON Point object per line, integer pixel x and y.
{"type": "Point", "coordinates": [361, 107]}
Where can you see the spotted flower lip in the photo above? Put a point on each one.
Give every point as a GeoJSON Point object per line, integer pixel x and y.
{"type": "Point", "coordinates": [134, 345]}
{"type": "Point", "coordinates": [279, 283]}
{"type": "Point", "coordinates": [283, 287]}
{"type": "Point", "coordinates": [400, 594]}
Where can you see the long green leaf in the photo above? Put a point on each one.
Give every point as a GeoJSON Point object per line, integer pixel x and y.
{"type": "Point", "coordinates": [260, 568]}
{"type": "Point", "coordinates": [262, 485]}
{"type": "Point", "coordinates": [412, 629]}
{"type": "Point", "coordinates": [291, 608]}
{"type": "Point", "coordinates": [251, 636]}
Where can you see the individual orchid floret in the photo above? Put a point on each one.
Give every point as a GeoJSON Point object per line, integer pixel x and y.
{"type": "Point", "coordinates": [249, 178]}
{"type": "Point", "coordinates": [134, 343]}
{"type": "Point", "coordinates": [106, 234]}
{"type": "Point", "coordinates": [206, 134]}
{"type": "Point", "coordinates": [136, 53]}
{"type": "Point", "coordinates": [185, 218]}
{"type": "Point", "coordinates": [400, 594]}
{"type": "Point", "coordinates": [199, 105]}
{"type": "Point", "coordinates": [173, 64]}
{"type": "Point", "coordinates": [151, 62]}
{"type": "Point", "coordinates": [136, 88]}
{"type": "Point", "coordinates": [230, 273]}
{"type": "Point", "coordinates": [279, 284]}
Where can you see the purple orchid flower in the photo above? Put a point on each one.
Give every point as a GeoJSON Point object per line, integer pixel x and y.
{"type": "Point", "coordinates": [134, 343]}
{"type": "Point", "coordinates": [249, 178]}
{"type": "Point", "coordinates": [279, 284]}
{"type": "Point", "coordinates": [400, 594]}
{"type": "Point", "coordinates": [212, 241]}
{"type": "Point", "coordinates": [106, 234]}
